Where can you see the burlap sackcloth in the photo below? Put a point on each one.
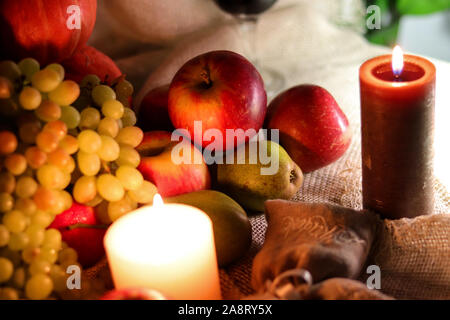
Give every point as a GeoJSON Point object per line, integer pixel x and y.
{"type": "Point", "coordinates": [409, 270]}
{"type": "Point", "coordinates": [306, 48]}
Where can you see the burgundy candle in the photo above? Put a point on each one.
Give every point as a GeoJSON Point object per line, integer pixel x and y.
{"type": "Point", "coordinates": [397, 123]}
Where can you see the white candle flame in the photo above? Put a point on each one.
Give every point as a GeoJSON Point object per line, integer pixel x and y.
{"type": "Point", "coordinates": [157, 200]}
{"type": "Point", "coordinates": [397, 60]}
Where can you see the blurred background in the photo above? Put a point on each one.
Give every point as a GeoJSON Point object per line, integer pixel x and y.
{"type": "Point", "coordinates": [148, 33]}
{"type": "Point", "coordinates": [427, 35]}
{"type": "Point", "coordinates": [420, 26]}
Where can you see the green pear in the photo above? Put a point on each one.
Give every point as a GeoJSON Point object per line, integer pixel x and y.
{"type": "Point", "coordinates": [252, 178]}
{"type": "Point", "coordinates": [232, 229]}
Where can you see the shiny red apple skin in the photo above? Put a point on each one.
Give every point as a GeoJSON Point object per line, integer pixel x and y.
{"type": "Point", "coordinates": [88, 60]}
{"type": "Point", "coordinates": [170, 178]}
{"type": "Point", "coordinates": [133, 294]}
{"type": "Point", "coordinates": [153, 112]}
{"type": "Point", "coordinates": [87, 241]}
{"type": "Point", "coordinates": [313, 129]}
{"type": "Point", "coordinates": [38, 28]}
{"type": "Point", "coordinates": [223, 90]}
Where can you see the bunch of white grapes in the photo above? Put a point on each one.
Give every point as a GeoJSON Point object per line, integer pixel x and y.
{"type": "Point", "coordinates": [52, 153]}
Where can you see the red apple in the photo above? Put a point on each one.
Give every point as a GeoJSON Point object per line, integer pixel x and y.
{"type": "Point", "coordinates": [313, 129]}
{"type": "Point", "coordinates": [47, 30]}
{"type": "Point", "coordinates": [170, 178]}
{"type": "Point", "coordinates": [88, 60]}
{"type": "Point", "coordinates": [133, 294]}
{"type": "Point", "coordinates": [81, 231]}
{"type": "Point", "coordinates": [153, 112]}
{"type": "Point", "coordinates": [223, 90]}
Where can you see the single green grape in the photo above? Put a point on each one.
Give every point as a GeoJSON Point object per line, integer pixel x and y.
{"type": "Point", "coordinates": [131, 136]}
{"type": "Point", "coordinates": [6, 269]}
{"type": "Point", "coordinates": [124, 88]}
{"type": "Point", "coordinates": [109, 150]}
{"type": "Point", "coordinates": [39, 266]}
{"type": "Point", "coordinates": [36, 235]}
{"type": "Point", "coordinates": [128, 156]}
{"type": "Point", "coordinates": [116, 209]}
{"type": "Point", "coordinates": [58, 68]}
{"type": "Point", "coordinates": [30, 98]}
{"type": "Point", "coordinates": [26, 187]}
{"type": "Point", "coordinates": [30, 253]}
{"type": "Point", "coordinates": [46, 199]}
{"type": "Point", "coordinates": [9, 69]}
{"type": "Point", "coordinates": [69, 144]}
{"type": "Point", "coordinates": [88, 163]}
{"type": "Point", "coordinates": [48, 111]}
{"type": "Point", "coordinates": [66, 198]}
{"type": "Point", "coordinates": [57, 127]}
{"type": "Point", "coordinates": [90, 81]}
{"type": "Point", "coordinates": [42, 218]}
{"type": "Point", "coordinates": [70, 116]}
{"type": "Point", "coordinates": [108, 127]}
{"type": "Point", "coordinates": [109, 187]}
{"type": "Point", "coordinates": [39, 287]}
{"type": "Point", "coordinates": [59, 157]}
{"type": "Point", "coordinates": [28, 67]}
{"type": "Point", "coordinates": [113, 109]}
{"type": "Point", "coordinates": [50, 176]}
{"type": "Point", "coordinates": [47, 141]}
{"type": "Point", "coordinates": [144, 194]}
{"type": "Point", "coordinates": [59, 203]}
{"type": "Point", "coordinates": [18, 241]}
{"type": "Point", "coordinates": [84, 189]}
{"type": "Point", "coordinates": [16, 163]}
{"type": "Point", "coordinates": [102, 93]}
{"type": "Point", "coordinates": [15, 221]}
{"type": "Point", "coordinates": [8, 142]}
{"type": "Point", "coordinates": [65, 93]}
{"type": "Point", "coordinates": [128, 118]}
{"type": "Point", "coordinates": [52, 239]}
{"type": "Point", "coordinates": [49, 254]}
{"type": "Point", "coordinates": [89, 118]}
{"type": "Point", "coordinates": [129, 177]}
{"type": "Point", "coordinates": [46, 80]}
{"type": "Point", "coordinates": [89, 141]}
{"type": "Point", "coordinates": [67, 256]}
{"type": "Point", "coordinates": [6, 202]}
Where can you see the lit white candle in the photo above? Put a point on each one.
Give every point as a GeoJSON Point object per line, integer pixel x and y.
{"type": "Point", "coordinates": [167, 247]}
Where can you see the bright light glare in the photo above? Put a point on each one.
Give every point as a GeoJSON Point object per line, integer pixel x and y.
{"type": "Point", "coordinates": [157, 200]}
{"type": "Point", "coordinates": [397, 60]}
